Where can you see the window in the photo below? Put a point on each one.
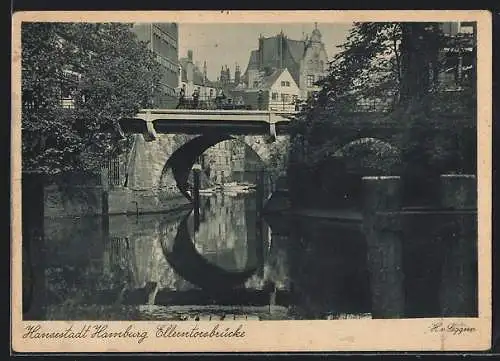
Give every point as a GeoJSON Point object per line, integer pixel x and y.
{"type": "Point", "coordinates": [310, 80]}
{"type": "Point", "coordinates": [285, 83]}
{"type": "Point", "coordinates": [285, 97]}
{"type": "Point", "coordinates": [255, 84]}
{"type": "Point", "coordinates": [274, 96]}
{"type": "Point", "coordinates": [321, 65]}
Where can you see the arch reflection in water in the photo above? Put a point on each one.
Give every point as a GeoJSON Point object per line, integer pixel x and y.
{"type": "Point", "coordinates": [225, 251]}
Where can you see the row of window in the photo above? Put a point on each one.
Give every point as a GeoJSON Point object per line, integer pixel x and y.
{"type": "Point", "coordinates": [165, 37]}
{"type": "Point", "coordinates": [167, 63]}
{"type": "Point", "coordinates": [167, 50]}
{"type": "Point", "coordinates": [284, 97]}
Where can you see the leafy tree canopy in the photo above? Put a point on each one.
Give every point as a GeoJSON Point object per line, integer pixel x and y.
{"type": "Point", "coordinates": [102, 70]}
{"type": "Point", "coordinates": [396, 66]}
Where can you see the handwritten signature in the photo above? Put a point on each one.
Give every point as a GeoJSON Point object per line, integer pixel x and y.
{"type": "Point", "coordinates": [455, 328]}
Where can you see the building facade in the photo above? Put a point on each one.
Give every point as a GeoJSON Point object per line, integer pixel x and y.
{"type": "Point", "coordinates": [163, 41]}
{"type": "Point", "coordinates": [277, 91]}
{"type": "Point", "coordinates": [217, 161]}
{"type": "Point", "coordinates": [306, 61]}
{"type": "Point", "coordinates": [314, 64]}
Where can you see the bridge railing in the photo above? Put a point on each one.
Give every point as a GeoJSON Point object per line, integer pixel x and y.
{"type": "Point", "coordinates": [227, 103]}
{"type": "Point", "coordinates": [281, 106]}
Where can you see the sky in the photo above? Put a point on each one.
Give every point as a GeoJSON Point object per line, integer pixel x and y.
{"type": "Point", "coordinates": [228, 44]}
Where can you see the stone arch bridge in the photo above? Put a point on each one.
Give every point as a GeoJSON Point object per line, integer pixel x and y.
{"type": "Point", "coordinates": [168, 141]}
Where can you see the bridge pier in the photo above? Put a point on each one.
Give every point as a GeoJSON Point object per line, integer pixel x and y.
{"type": "Point", "coordinates": [459, 271]}
{"type": "Point", "coordinates": [384, 246]}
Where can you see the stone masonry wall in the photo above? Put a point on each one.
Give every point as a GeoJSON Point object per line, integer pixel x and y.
{"type": "Point", "coordinates": [148, 159]}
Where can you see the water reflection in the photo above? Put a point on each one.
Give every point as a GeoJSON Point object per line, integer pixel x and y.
{"type": "Point", "coordinates": [200, 265]}
{"type": "Point", "coordinates": [237, 263]}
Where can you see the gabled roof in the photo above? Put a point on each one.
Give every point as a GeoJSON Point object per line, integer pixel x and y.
{"type": "Point", "coordinates": [269, 80]}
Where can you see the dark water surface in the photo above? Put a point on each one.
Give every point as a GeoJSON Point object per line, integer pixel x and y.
{"type": "Point", "coordinates": [235, 263]}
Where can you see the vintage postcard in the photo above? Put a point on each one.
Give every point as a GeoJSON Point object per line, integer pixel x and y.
{"type": "Point", "coordinates": [251, 181]}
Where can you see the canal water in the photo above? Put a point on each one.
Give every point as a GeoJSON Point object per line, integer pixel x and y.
{"type": "Point", "coordinates": [235, 262]}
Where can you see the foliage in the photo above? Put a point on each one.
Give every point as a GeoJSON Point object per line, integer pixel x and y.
{"type": "Point", "coordinates": [107, 73]}
{"type": "Point", "coordinates": [395, 65]}
{"type": "Point", "coordinates": [396, 68]}
{"type": "Point", "coordinates": [369, 64]}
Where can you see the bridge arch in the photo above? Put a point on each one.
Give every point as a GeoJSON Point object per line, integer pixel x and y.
{"type": "Point", "coordinates": [337, 176]}
{"type": "Point", "coordinates": [178, 166]}
{"type": "Point", "coordinates": [370, 156]}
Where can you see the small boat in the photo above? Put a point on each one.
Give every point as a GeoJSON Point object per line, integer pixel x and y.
{"type": "Point", "coordinates": [238, 189]}
{"type": "Point", "coordinates": [208, 191]}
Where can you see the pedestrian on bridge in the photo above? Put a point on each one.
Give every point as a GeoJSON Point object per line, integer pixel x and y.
{"type": "Point", "coordinates": [182, 97]}
{"type": "Point", "coordinates": [220, 98]}
{"type": "Point", "coordinates": [260, 99]}
{"type": "Point", "coordinates": [196, 97]}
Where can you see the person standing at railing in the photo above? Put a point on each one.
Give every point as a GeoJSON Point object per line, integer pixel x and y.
{"type": "Point", "coordinates": [297, 104]}
{"type": "Point", "coordinates": [210, 97]}
{"type": "Point", "coordinates": [182, 97]}
{"type": "Point", "coordinates": [196, 97]}
{"type": "Point", "coordinates": [220, 98]}
{"type": "Point", "coordinates": [260, 99]}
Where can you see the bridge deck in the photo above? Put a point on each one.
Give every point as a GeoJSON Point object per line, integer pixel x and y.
{"type": "Point", "coordinates": [193, 121]}
{"type": "Point", "coordinates": [149, 122]}
{"type": "Point", "coordinates": [165, 115]}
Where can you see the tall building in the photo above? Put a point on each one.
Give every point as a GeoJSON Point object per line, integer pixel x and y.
{"type": "Point", "coordinates": [163, 40]}
{"type": "Point", "coordinates": [305, 59]}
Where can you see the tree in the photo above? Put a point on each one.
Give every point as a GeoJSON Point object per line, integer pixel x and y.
{"type": "Point", "coordinates": [398, 66]}
{"type": "Point", "coordinates": [103, 70]}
